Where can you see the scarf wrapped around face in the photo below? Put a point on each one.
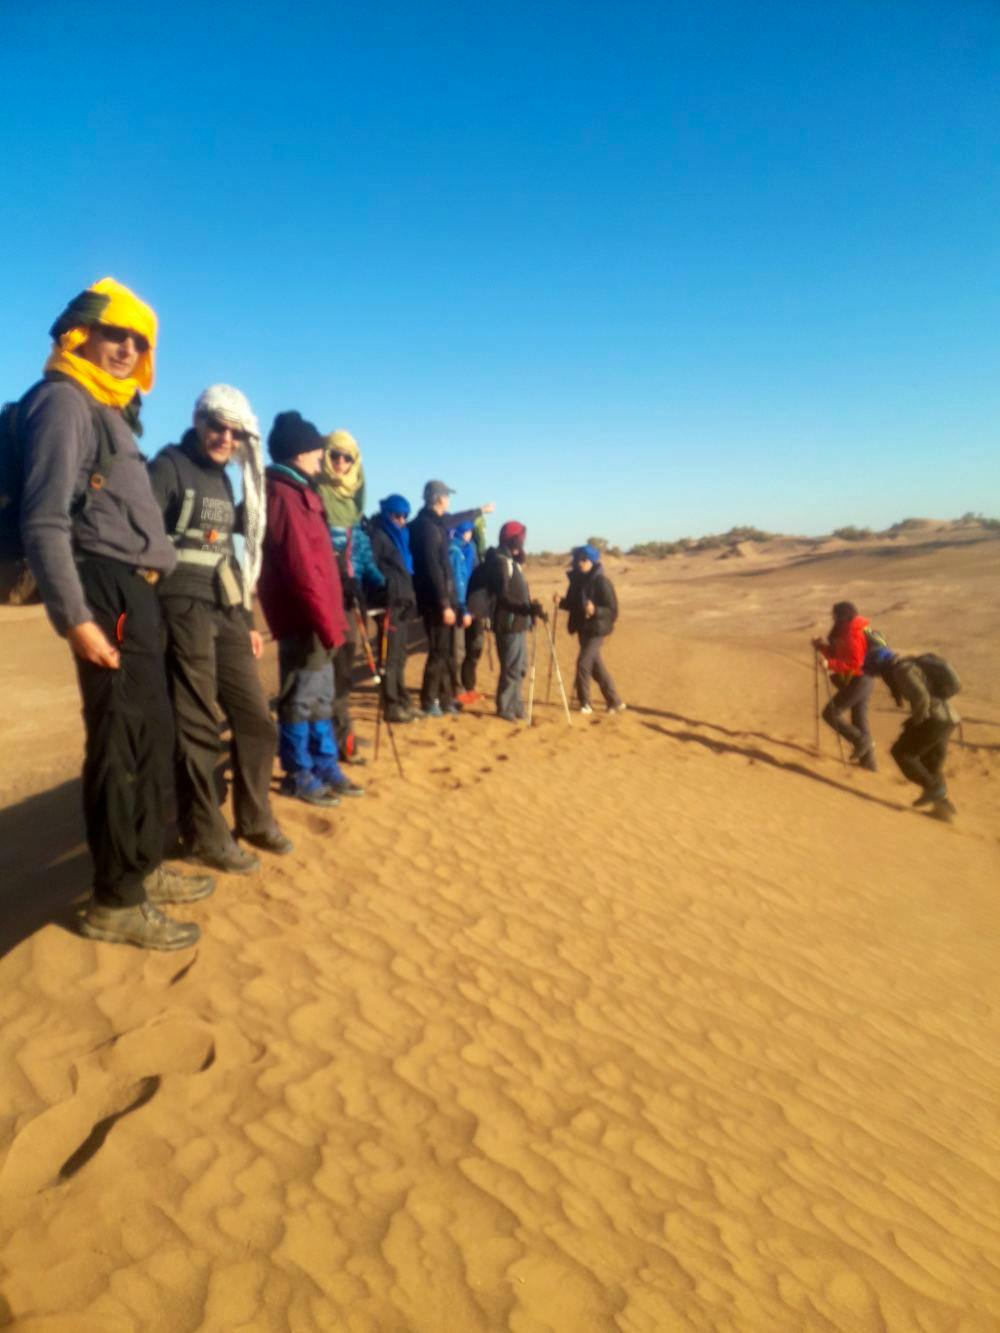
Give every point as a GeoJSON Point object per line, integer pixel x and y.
{"type": "Point", "coordinates": [227, 403]}
{"type": "Point", "coordinates": [343, 496]}
{"type": "Point", "coordinates": [106, 302]}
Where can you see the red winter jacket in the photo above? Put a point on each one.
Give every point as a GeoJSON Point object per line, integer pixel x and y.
{"type": "Point", "coordinates": [846, 650]}
{"type": "Point", "coordinates": [299, 585]}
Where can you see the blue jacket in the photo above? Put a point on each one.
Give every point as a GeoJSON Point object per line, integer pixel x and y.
{"type": "Point", "coordinates": [353, 546]}
{"type": "Point", "coordinates": [462, 556]}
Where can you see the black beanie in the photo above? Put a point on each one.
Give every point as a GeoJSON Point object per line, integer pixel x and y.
{"type": "Point", "coordinates": [844, 611]}
{"type": "Point", "coordinates": [290, 435]}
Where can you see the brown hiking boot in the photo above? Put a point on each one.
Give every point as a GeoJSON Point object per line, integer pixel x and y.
{"type": "Point", "coordinates": [143, 925]}
{"type": "Point", "coordinates": [167, 886]}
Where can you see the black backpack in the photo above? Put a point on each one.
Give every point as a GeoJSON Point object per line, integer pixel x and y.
{"type": "Point", "coordinates": [12, 468]}
{"type": "Point", "coordinates": [480, 597]}
{"type": "Point", "coordinates": [941, 677]}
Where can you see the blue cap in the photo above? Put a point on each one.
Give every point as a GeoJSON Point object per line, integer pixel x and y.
{"type": "Point", "coordinates": [876, 659]}
{"type": "Point", "coordinates": [587, 552]}
{"type": "Point", "coordinates": [395, 504]}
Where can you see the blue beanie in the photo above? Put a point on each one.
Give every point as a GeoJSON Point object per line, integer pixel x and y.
{"type": "Point", "coordinates": [395, 504]}
{"type": "Point", "coordinates": [876, 659]}
{"type": "Point", "coordinates": [460, 528]}
{"type": "Point", "coordinates": [587, 552]}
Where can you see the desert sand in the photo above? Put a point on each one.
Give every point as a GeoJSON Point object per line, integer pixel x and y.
{"type": "Point", "coordinates": [652, 1022]}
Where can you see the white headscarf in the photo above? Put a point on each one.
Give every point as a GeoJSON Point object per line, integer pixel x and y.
{"type": "Point", "coordinates": [222, 400]}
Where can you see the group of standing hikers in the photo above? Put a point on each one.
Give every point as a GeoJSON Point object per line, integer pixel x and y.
{"type": "Point", "coordinates": [148, 571]}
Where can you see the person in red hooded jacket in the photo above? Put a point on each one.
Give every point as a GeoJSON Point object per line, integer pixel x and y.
{"type": "Point", "coordinates": [302, 600]}
{"type": "Point", "coordinates": [844, 652]}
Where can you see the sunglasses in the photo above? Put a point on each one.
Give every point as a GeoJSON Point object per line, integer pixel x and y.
{"type": "Point", "coordinates": [114, 333]}
{"type": "Point", "coordinates": [336, 457]}
{"type": "Point", "coordinates": [218, 427]}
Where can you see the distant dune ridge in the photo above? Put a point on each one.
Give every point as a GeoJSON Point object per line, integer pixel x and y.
{"type": "Point", "coordinates": [653, 1022]}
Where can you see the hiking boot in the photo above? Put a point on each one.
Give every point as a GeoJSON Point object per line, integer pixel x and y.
{"type": "Point", "coordinates": [271, 840]}
{"type": "Point", "coordinates": [468, 697]}
{"type": "Point", "coordinates": [345, 787]}
{"type": "Point", "coordinates": [943, 810]}
{"type": "Point", "coordinates": [433, 710]}
{"type": "Point", "coordinates": [931, 795]}
{"type": "Point", "coordinates": [229, 858]}
{"type": "Point", "coordinates": [863, 754]}
{"type": "Point", "coordinates": [619, 707]}
{"type": "Point", "coordinates": [143, 925]}
{"type": "Point", "coordinates": [167, 886]}
{"type": "Point", "coordinates": [304, 785]}
{"type": "Point", "coordinates": [399, 716]}
{"type": "Point", "coordinates": [586, 708]}
{"type": "Point", "coordinates": [453, 706]}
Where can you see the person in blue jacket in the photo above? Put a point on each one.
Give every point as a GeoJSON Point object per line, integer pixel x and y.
{"type": "Point", "coordinates": [462, 557]}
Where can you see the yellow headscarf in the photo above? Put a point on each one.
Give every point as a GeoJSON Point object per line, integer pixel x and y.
{"type": "Point", "coordinates": [106, 302]}
{"type": "Point", "coordinates": [346, 484]}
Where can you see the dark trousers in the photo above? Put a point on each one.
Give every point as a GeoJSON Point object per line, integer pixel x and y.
{"type": "Point", "coordinates": [128, 764]}
{"type": "Point", "coordinates": [437, 678]}
{"type": "Point", "coordinates": [306, 671]}
{"type": "Point", "coordinates": [512, 652]}
{"type": "Point", "coordinates": [392, 654]}
{"type": "Point", "coordinates": [475, 637]}
{"type": "Point", "coordinates": [210, 666]}
{"type": "Point", "coordinates": [590, 663]}
{"type": "Point", "coordinates": [854, 696]}
{"type": "Point", "coordinates": [343, 672]}
{"type": "Point", "coordinates": [920, 751]}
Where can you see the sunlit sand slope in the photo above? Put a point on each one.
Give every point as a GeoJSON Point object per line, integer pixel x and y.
{"type": "Point", "coordinates": [648, 1023]}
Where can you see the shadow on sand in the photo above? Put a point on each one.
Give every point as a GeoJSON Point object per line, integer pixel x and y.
{"type": "Point", "coordinates": [44, 864]}
{"type": "Point", "coordinates": [762, 756]}
{"type": "Point", "coordinates": [715, 726]}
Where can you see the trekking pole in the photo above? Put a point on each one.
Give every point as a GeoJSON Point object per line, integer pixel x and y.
{"type": "Point", "coordinates": [489, 643]}
{"type": "Point", "coordinates": [555, 626]}
{"type": "Point", "coordinates": [840, 739]}
{"type": "Point", "coordinates": [359, 620]}
{"type": "Point", "coordinates": [816, 696]}
{"type": "Point", "coordinates": [559, 679]}
{"type": "Point", "coordinates": [531, 673]}
{"type": "Point", "coordinates": [389, 628]}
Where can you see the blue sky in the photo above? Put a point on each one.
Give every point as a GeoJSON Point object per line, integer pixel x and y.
{"type": "Point", "coordinates": [633, 270]}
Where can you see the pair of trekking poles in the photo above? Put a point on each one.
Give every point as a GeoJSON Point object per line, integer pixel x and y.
{"type": "Point", "coordinates": [553, 662]}
{"type": "Point", "coordinates": [818, 671]}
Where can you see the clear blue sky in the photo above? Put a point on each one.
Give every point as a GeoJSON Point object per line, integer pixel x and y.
{"type": "Point", "coordinates": [632, 270]}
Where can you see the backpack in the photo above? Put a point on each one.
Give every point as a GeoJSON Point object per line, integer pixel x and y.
{"type": "Point", "coordinates": [941, 677]}
{"type": "Point", "coordinates": [480, 598]}
{"type": "Point", "coordinates": [875, 638]}
{"type": "Point", "coordinates": [12, 469]}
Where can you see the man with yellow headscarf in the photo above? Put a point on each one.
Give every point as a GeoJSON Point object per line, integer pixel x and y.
{"type": "Point", "coordinates": [93, 535]}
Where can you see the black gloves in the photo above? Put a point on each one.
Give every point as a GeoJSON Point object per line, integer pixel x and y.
{"type": "Point", "coordinates": [538, 612]}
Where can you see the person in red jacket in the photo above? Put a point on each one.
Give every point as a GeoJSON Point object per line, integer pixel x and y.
{"type": "Point", "coordinates": [844, 652]}
{"type": "Point", "coordinates": [302, 600]}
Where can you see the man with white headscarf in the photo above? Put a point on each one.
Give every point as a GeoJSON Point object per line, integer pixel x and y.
{"type": "Point", "coordinates": [212, 642]}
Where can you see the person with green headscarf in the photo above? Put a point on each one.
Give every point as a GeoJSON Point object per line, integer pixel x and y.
{"type": "Point", "coordinates": [341, 486]}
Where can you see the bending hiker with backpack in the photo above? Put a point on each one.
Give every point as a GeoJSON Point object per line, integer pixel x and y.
{"type": "Point", "coordinates": [844, 653]}
{"type": "Point", "coordinates": [302, 600]}
{"type": "Point", "coordinates": [499, 591]}
{"type": "Point", "coordinates": [927, 683]}
{"type": "Point", "coordinates": [341, 485]}
{"type": "Point", "coordinates": [94, 537]}
{"type": "Point", "coordinates": [593, 610]}
{"type": "Point", "coordinates": [211, 641]}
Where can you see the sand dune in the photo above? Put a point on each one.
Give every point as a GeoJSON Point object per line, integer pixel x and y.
{"type": "Point", "coordinates": [648, 1023]}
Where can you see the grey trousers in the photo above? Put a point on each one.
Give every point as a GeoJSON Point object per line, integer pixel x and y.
{"type": "Point", "coordinates": [512, 650]}
{"type": "Point", "coordinates": [590, 663]}
{"type": "Point", "coordinates": [854, 696]}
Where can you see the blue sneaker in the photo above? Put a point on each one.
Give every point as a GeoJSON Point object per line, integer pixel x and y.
{"type": "Point", "coordinates": [306, 786]}
{"type": "Point", "coordinates": [434, 710]}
